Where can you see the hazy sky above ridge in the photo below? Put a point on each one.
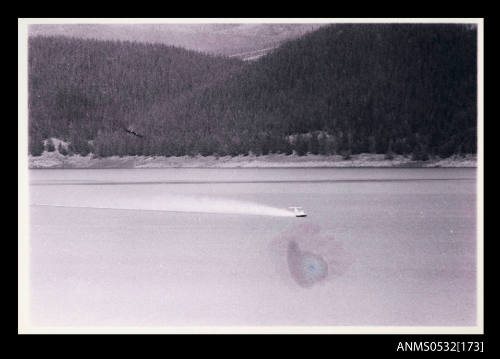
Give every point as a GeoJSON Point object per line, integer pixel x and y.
{"type": "Point", "coordinates": [227, 39]}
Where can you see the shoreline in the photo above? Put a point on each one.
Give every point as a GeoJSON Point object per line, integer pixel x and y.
{"type": "Point", "coordinates": [54, 160]}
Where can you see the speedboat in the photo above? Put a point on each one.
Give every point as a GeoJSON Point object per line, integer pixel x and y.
{"type": "Point", "coordinates": [298, 211]}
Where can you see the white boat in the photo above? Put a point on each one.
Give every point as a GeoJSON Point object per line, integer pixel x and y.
{"type": "Point", "coordinates": [298, 211]}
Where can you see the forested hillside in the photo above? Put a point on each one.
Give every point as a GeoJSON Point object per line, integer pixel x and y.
{"type": "Point", "coordinates": [343, 89]}
{"type": "Point", "coordinates": [81, 88]}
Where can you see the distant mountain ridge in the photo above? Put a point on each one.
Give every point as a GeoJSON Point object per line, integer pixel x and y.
{"type": "Point", "coordinates": [219, 39]}
{"type": "Point", "coordinates": [253, 55]}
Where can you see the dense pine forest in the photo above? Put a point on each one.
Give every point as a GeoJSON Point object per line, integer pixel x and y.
{"type": "Point", "coordinates": [342, 89]}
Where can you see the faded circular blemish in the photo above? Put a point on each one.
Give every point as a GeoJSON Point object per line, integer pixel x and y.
{"type": "Point", "coordinates": [306, 268]}
{"type": "Point", "coordinates": [304, 255]}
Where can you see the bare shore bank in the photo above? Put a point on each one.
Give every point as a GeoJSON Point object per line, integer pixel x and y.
{"type": "Point", "coordinates": [56, 160]}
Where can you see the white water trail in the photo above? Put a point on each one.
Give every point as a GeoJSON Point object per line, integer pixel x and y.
{"type": "Point", "coordinates": [173, 203]}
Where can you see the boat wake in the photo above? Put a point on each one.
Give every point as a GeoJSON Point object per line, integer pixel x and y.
{"type": "Point", "coordinates": [174, 203]}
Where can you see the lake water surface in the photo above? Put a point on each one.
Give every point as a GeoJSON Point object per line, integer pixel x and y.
{"type": "Point", "coordinates": [195, 247]}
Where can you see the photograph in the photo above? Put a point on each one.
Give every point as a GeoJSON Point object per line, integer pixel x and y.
{"type": "Point", "coordinates": [250, 176]}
